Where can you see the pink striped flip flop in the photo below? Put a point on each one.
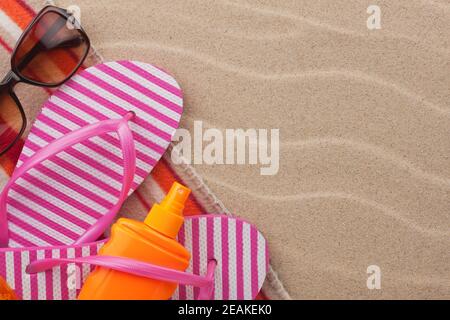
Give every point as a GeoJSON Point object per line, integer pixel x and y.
{"type": "Point", "coordinates": [229, 262]}
{"type": "Point", "coordinates": [96, 139]}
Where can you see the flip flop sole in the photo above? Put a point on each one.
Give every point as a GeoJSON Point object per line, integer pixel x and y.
{"type": "Point", "coordinates": [57, 201]}
{"type": "Point", "coordinates": [238, 247]}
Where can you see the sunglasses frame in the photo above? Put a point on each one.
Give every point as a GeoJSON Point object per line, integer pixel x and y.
{"type": "Point", "coordinates": [14, 77]}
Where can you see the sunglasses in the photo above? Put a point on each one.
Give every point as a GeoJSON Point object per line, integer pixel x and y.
{"type": "Point", "coordinates": [48, 53]}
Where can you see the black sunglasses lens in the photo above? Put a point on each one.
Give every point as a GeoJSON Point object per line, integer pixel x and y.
{"type": "Point", "coordinates": [11, 120]}
{"type": "Point", "coordinates": [51, 50]}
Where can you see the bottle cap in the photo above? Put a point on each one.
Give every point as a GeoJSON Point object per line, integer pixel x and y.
{"type": "Point", "coordinates": [167, 217]}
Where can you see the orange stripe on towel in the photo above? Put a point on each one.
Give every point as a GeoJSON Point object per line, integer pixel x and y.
{"type": "Point", "coordinates": [17, 12]}
{"type": "Point", "coordinates": [26, 7]}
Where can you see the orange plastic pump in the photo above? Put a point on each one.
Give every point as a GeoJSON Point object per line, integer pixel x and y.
{"type": "Point", "coordinates": [152, 241]}
{"type": "Point", "coordinates": [6, 293]}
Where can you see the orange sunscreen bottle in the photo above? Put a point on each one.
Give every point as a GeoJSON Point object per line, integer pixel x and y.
{"type": "Point", "coordinates": [151, 241]}
{"type": "Point", "coordinates": [6, 293]}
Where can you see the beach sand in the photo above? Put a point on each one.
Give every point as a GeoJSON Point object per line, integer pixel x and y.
{"type": "Point", "coordinates": [364, 120]}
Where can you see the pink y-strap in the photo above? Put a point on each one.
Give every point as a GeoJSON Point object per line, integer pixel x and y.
{"type": "Point", "coordinates": [120, 126]}
{"type": "Point", "coordinates": [138, 268]}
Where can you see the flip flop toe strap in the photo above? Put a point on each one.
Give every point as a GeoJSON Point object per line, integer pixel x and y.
{"type": "Point", "coordinates": [138, 268]}
{"type": "Point", "coordinates": [120, 126]}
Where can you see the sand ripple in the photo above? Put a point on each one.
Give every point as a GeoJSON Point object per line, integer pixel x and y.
{"type": "Point", "coordinates": [326, 195]}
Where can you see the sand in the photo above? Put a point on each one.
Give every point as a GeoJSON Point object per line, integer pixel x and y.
{"type": "Point", "coordinates": [364, 118]}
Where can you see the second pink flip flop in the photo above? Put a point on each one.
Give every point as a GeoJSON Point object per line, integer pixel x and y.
{"type": "Point", "coordinates": [239, 249]}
